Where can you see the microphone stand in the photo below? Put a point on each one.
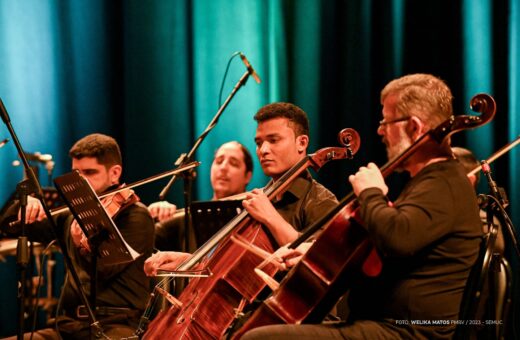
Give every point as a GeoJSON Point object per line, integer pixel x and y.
{"type": "Point", "coordinates": [497, 206]}
{"type": "Point", "coordinates": [28, 186]}
{"type": "Point", "coordinates": [186, 158]}
{"type": "Point", "coordinates": [23, 189]}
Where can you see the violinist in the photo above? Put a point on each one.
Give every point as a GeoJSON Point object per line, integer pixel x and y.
{"type": "Point", "coordinates": [231, 171]}
{"type": "Point", "coordinates": [282, 138]}
{"type": "Point", "coordinates": [122, 289]}
{"type": "Point", "coordinates": [428, 239]}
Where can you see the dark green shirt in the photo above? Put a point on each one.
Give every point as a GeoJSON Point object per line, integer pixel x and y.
{"type": "Point", "coordinates": [305, 201]}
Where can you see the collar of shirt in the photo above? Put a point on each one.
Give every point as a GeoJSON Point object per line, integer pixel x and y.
{"type": "Point", "coordinates": [298, 188]}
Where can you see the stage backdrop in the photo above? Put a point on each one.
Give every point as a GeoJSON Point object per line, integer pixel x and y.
{"type": "Point", "coordinates": [149, 73]}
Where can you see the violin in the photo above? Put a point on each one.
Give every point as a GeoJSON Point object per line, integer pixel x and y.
{"type": "Point", "coordinates": [113, 205]}
{"type": "Point", "coordinates": [226, 284]}
{"type": "Point", "coordinates": [343, 249]}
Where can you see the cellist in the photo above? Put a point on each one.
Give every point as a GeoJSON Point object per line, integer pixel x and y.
{"type": "Point", "coordinates": [123, 288]}
{"type": "Point", "coordinates": [428, 238]}
{"type": "Point", "coordinates": [282, 138]}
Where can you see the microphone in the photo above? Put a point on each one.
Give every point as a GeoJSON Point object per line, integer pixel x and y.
{"type": "Point", "coordinates": [4, 142]}
{"type": "Point", "coordinates": [498, 193]}
{"type": "Point", "coordinates": [250, 68]}
{"type": "Point", "coordinates": [38, 157]}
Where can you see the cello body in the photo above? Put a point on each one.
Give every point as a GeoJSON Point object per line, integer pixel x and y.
{"type": "Point", "coordinates": [343, 250]}
{"type": "Point", "coordinates": [312, 288]}
{"type": "Point", "coordinates": [209, 305]}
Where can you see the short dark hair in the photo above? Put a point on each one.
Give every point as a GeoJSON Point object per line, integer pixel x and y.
{"type": "Point", "coordinates": [102, 147]}
{"type": "Point", "coordinates": [248, 160]}
{"type": "Point", "coordinates": [295, 115]}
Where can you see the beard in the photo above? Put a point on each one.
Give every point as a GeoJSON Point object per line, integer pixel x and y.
{"type": "Point", "coordinates": [395, 150]}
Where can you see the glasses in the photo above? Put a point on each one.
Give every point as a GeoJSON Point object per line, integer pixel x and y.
{"type": "Point", "coordinates": [397, 120]}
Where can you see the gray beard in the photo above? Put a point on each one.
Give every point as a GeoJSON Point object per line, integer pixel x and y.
{"type": "Point", "coordinates": [397, 149]}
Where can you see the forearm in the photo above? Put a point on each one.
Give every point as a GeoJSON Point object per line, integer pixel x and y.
{"type": "Point", "coordinates": [281, 230]}
{"type": "Point", "coordinates": [40, 231]}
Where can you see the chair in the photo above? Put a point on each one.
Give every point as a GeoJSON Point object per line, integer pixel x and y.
{"type": "Point", "coordinates": [487, 295]}
{"type": "Point", "coordinates": [500, 284]}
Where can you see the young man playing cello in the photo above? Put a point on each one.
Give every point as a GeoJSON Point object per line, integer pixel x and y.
{"type": "Point", "coordinates": [282, 138]}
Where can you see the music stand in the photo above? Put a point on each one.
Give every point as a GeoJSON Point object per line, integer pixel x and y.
{"type": "Point", "coordinates": [209, 216]}
{"type": "Point", "coordinates": [107, 244]}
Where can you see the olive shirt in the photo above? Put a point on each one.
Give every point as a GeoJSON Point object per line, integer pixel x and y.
{"type": "Point", "coordinates": [429, 241]}
{"type": "Point", "coordinates": [304, 202]}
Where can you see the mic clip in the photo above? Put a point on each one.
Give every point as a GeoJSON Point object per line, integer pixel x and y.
{"type": "Point", "coordinates": [484, 200]}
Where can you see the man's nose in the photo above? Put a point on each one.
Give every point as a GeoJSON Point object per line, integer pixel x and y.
{"type": "Point", "coordinates": [381, 130]}
{"type": "Point", "coordinates": [264, 148]}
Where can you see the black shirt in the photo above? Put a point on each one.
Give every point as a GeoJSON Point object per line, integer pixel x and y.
{"type": "Point", "coordinates": [428, 241]}
{"type": "Point", "coordinates": [123, 285]}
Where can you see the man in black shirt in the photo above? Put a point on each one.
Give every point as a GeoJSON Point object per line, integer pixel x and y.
{"type": "Point", "coordinates": [122, 290]}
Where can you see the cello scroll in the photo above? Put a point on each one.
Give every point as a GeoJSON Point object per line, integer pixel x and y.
{"type": "Point", "coordinates": [351, 142]}
{"type": "Point", "coordinates": [482, 103]}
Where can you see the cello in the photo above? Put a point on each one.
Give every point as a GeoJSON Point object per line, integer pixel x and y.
{"type": "Point", "coordinates": [343, 249]}
{"type": "Point", "coordinates": [209, 304]}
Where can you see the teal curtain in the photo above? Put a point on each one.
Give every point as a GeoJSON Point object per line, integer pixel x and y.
{"type": "Point", "coordinates": [149, 73]}
{"type": "Point", "coordinates": [478, 68]}
{"type": "Point", "coordinates": [513, 127]}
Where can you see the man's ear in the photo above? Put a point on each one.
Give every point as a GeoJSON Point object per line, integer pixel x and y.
{"type": "Point", "coordinates": [302, 142]}
{"type": "Point", "coordinates": [416, 128]}
{"type": "Point", "coordinates": [114, 173]}
{"type": "Point", "coordinates": [249, 174]}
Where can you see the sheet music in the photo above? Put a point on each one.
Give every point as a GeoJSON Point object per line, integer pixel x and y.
{"type": "Point", "coordinates": [93, 218]}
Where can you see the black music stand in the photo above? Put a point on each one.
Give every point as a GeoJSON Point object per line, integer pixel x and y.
{"type": "Point", "coordinates": [107, 244]}
{"type": "Point", "coordinates": [209, 216]}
